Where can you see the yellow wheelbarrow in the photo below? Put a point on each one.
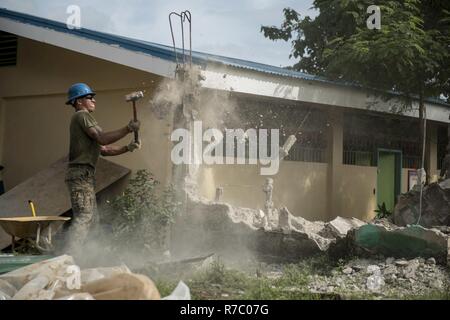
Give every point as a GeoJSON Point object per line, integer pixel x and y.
{"type": "Point", "coordinates": [33, 229]}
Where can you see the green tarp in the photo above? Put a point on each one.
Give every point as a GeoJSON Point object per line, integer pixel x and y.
{"type": "Point", "coordinates": [12, 262]}
{"type": "Point", "coordinates": [411, 241]}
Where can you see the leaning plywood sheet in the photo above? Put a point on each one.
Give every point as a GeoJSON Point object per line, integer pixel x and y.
{"type": "Point", "coordinates": [49, 193]}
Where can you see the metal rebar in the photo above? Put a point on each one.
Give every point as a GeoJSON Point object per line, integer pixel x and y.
{"type": "Point", "coordinates": [182, 38]}
{"type": "Point", "coordinates": [184, 15]}
{"type": "Point", "coordinates": [187, 15]}
{"type": "Point", "coordinates": [173, 37]}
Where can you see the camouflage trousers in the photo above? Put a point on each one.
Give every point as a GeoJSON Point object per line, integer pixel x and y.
{"type": "Point", "coordinates": [81, 184]}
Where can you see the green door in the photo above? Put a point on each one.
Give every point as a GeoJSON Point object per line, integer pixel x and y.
{"type": "Point", "coordinates": [386, 179]}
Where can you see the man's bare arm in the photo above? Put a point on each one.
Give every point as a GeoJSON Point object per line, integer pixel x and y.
{"type": "Point", "coordinates": [106, 138]}
{"type": "Point", "coordinates": [112, 150]}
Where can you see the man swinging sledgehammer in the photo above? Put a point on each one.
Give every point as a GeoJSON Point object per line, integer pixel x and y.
{"type": "Point", "coordinates": [87, 142]}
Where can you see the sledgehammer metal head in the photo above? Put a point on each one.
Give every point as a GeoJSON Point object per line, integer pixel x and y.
{"type": "Point", "coordinates": [134, 96]}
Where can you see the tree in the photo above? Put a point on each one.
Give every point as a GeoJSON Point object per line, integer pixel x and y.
{"type": "Point", "coordinates": [409, 55]}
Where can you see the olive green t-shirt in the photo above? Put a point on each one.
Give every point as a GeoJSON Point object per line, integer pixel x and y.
{"type": "Point", "coordinates": [83, 149]}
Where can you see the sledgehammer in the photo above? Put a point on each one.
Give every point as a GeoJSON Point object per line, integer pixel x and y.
{"type": "Point", "coordinates": [133, 97]}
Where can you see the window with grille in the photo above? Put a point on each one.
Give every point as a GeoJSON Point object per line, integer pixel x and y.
{"type": "Point", "coordinates": [309, 125]}
{"type": "Point", "coordinates": [365, 134]}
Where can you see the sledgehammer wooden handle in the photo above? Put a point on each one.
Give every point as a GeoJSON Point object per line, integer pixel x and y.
{"type": "Point", "coordinates": [136, 135]}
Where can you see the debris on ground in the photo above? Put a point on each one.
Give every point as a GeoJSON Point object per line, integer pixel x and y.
{"type": "Point", "coordinates": [435, 206]}
{"type": "Point", "coordinates": [317, 277]}
{"type": "Point", "coordinates": [384, 278]}
{"type": "Point", "coordinates": [60, 278]}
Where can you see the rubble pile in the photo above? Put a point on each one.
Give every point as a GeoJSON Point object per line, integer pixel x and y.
{"type": "Point", "coordinates": [435, 206]}
{"type": "Point", "coordinates": [217, 226]}
{"type": "Point", "coordinates": [385, 278]}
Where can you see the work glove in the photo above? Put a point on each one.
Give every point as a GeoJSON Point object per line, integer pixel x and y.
{"type": "Point", "coordinates": [133, 145]}
{"type": "Point", "coordinates": [133, 125]}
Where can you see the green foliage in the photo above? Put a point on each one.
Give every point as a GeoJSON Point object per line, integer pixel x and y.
{"type": "Point", "coordinates": [408, 58]}
{"type": "Point", "coordinates": [382, 212]}
{"type": "Point", "coordinates": [409, 54]}
{"type": "Point", "coordinates": [141, 216]}
{"type": "Point", "coordinates": [218, 274]}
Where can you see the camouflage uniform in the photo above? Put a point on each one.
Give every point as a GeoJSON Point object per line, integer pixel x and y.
{"type": "Point", "coordinates": [80, 180]}
{"type": "Point", "coordinates": [81, 184]}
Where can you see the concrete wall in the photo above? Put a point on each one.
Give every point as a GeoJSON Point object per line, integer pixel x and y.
{"type": "Point", "coordinates": [36, 119]}
{"type": "Point", "coordinates": [301, 186]}
{"type": "Point", "coordinates": [355, 189]}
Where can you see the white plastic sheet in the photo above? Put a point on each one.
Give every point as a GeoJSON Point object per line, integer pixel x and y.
{"type": "Point", "coordinates": [181, 292]}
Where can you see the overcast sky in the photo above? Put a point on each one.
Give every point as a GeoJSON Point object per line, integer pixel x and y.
{"type": "Point", "coordinates": [225, 27]}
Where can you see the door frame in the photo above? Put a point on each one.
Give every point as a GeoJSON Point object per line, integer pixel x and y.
{"type": "Point", "coordinates": [398, 172]}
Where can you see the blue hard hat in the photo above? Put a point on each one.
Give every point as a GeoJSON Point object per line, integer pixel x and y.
{"type": "Point", "coordinates": [78, 90]}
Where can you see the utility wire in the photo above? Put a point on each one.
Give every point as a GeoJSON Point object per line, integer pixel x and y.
{"type": "Point", "coordinates": [423, 161]}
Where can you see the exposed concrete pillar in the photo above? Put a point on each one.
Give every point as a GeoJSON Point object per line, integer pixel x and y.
{"type": "Point", "coordinates": [431, 152]}
{"type": "Point", "coordinates": [335, 154]}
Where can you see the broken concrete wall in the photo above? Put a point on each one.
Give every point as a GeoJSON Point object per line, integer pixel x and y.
{"type": "Point", "coordinates": [298, 185]}
{"type": "Point", "coordinates": [224, 229]}
{"type": "Point", "coordinates": [221, 228]}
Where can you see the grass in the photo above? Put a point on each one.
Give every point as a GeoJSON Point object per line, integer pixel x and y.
{"type": "Point", "coordinates": [219, 282]}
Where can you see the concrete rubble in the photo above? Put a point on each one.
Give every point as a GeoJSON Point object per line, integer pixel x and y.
{"type": "Point", "coordinates": [60, 278]}
{"type": "Point", "coordinates": [278, 234]}
{"type": "Point", "coordinates": [435, 206]}
{"type": "Point", "coordinates": [389, 277]}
